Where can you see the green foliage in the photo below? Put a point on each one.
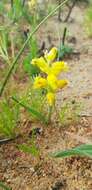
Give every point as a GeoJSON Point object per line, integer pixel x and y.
{"type": "Point", "coordinates": [89, 1]}
{"type": "Point", "coordinates": [28, 67]}
{"type": "Point", "coordinates": [28, 17]}
{"type": "Point", "coordinates": [16, 11]}
{"type": "Point", "coordinates": [88, 21]}
{"type": "Point", "coordinates": [64, 50]}
{"type": "Point", "coordinates": [30, 150]}
{"type": "Point", "coordinates": [4, 46]}
{"type": "Point", "coordinates": [69, 112]}
{"type": "Point", "coordinates": [9, 116]}
{"type": "Point", "coordinates": [4, 187]}
{"type": "Point", "coordinates": [83, 150]}
{"type": "Point", "coordinates": [37, 100]}
{"type": "Point", "coordinates": [33, 108]}
{"type": "Point", "coordinates": [1, 7]}
{"type": "Point", "coordinates": [50, 7]}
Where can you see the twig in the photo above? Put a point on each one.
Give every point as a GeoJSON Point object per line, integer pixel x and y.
{"type": "Point", "coordinates": [7, 140]}
{"type": "Point", "coordinates": [70, 10]}
{"type": "Point", "coordinates": [25, 43]}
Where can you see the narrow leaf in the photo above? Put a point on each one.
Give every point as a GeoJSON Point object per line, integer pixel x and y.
{"type": "Point", "coordinates": [32, 111]}
{"type": "Point", "coordinates": [83, 150]}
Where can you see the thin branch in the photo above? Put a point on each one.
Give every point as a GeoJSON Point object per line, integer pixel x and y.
{"type": "Point", "coordinates": [8, 140]}
{"type": "Point", "coordinates": [25, 43]}
{"type": "Point", "coordinates": [70, 10]}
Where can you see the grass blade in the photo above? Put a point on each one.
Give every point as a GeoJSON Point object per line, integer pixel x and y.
{"type": "Point", "coordinates": [32, 111]}
{"type": "Point", "coordinates": [30, 150]}
{"type": "Point", "coordinates": [83, 150]}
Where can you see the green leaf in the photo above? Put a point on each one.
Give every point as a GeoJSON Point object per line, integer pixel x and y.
{"type": "Point", "coordinates": [9, 116]}
{"type": "Point", "coordinates": [83, 150]}
{"type": "Point", "coordinates": [3, 186]}
{"type": "Point", "coordinates": [16, 12]}
{"type": "Point", "coordinates": [64, 50]}
{"type": "Point", "coordinates": [30, 150]}
{"type": "Point", "coordinates": [32, 111]}
{"type": "Point", "coordinates": [29, 68]}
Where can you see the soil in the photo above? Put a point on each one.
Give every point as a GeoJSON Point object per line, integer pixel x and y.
{"type": "Point", "coordinates": [22, 171]}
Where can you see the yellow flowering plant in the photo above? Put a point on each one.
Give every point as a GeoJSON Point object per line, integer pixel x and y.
{"type": "Point", "coordinates": [50, 69]}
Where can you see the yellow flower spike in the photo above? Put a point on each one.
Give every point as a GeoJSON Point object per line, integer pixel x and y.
{"type": "Point", "coordinates": [51, 55]}
{"type": "Point", "coordinates": [62, 83]}
{"type": "Point", "coordinates": [39, 82]}
{"type": "Point", "coordinates": [58, 67]}
{"type": "Point", "coordinates": [50, 98]}
{"type": "Point", "coordinates": [41, 64]}
{"type": "Point", "coordinates": [52, 82]}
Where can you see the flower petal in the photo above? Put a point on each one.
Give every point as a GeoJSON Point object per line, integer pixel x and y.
{"type": "Point", "coordinates": [39, 82]}
{"type": "Point", "coordinates": [58, 67]}
{"type": "Point", "coordinates": [62, 83]}
{"type": "Point", "coordinates": [41, 64]}
{"type": "Point", "coordinates": [56, 84]}
{"type": "Point", "coordinates": [51, 55]}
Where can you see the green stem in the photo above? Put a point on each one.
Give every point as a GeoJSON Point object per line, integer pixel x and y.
{"type": "Point", "coordinates": [25, 43]}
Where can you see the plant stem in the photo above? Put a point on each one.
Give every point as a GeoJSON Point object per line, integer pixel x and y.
{"type": "Point", "coordinates": [23, 3]}
{"type": "Point", "coordinates": [64, 36]}
{"type": "Point", "coordinates": [24, 45]}
{"type": "Point", "coordinates": [11, 3]}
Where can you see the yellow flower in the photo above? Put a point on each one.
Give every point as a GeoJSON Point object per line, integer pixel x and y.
{"type": "Point", "coordinates": [50, 98]}
{"type": "Point", "coordinates": [52, 82]}
{"type": "Point", "coordinates": [58, 67]}
{"type": "Point", "coordinates": [51, 55]}
{"type": "Point", "coordinates": [56, 84]}
{"type": "Point", "coordinates": [62, 83]}
{"type": "Point", "coordinates": [39, 82]}
{"type": "Point", "coordinates": [41, 64]}
{"type": "Point", "coordinates": [52, 70]}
